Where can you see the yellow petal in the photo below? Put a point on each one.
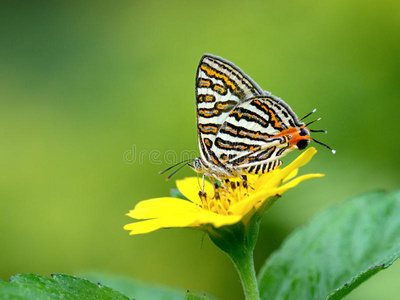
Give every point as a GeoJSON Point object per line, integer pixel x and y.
{"type": "Point", "coordinates": [291, 175]}
{"type": "Point", "coordinates": [208, 217]}
{"type": "Point", "coordinates": [161, 207]}
{"type": "Point", "coordinates": [191, 186]}
{"type": "Point", "coordinates": [264, 178]}
{"type": "Point", "coordinates": [296, 181]}
{"type": "Point", "coordinates": [184, 220]}
{"type": "Point", "coordinates": [244, 206]}
{"type": "Point", "coordinates": [300, 161]}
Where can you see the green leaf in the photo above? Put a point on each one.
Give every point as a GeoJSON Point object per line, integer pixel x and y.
{"type": "Point", "coordinates": [135, 289]}
{"type": "Point", "coordinates": [337, 251]}
{"type": "Point", "coordinates": [60, 286]}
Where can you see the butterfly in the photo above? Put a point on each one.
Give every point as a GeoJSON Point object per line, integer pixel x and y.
{"type": "Point", "coordinates": [241, 128]}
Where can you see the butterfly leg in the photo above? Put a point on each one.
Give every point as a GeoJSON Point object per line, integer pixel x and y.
{"type": "Point", "coordinates": [203, 178]}
{"type": "Point", "coordinates": [244, 179]}
{"type": "Point", "coordinates": [212, 182]}
{"type": "Point", "coordinates": [220, 181]}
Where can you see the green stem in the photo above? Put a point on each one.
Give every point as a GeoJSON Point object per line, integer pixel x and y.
{"type": "Point", "coordinates": [244, 264]}
{"type": "Point", "coordinates": [238, 242]}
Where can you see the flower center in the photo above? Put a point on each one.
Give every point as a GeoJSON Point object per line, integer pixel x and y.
{"type": "Point", "coordinates": [234, 191]}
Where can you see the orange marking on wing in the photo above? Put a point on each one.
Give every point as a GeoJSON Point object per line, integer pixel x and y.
{"type": "Point", "coordinates": [239, 114]}
{"type": "Point", "coordinates": [215, 161]}
{"type": "Point", "coordinates": [207, 142]}
{"type": "Point", "coordinates": [212, 73]}
{"type": "Point", "coordinates": [209, 98]}
{"type": "Point", "coordinates": [247, 133]}
{"type": "Point", "coordinates": [219, 89]}
{"type": "Point", "coordinates": [231, 130]}
{"type": "Point", "coordinates": [253, 135]}
{"type": "Point", "coordinates": [204, 83]}
{"type": "Point", "coordinates": [223, 146]}
{"type": "Point", "coordinates": [271, 112]}
{"type": "Point", "coordinates": [208, 113]}
{"type": "Point", "coordinates": [222, 105]}
{"type": "Point", "coordinates": [232, 146]}
{"type": "Point", "coordinates": [206, 98]}
{"type": "Point", "coordinates": [208, 129]}
{"type": "Point", "coordinates": [243, 162]}
{"type": "Point", "coordinates": [253, 149]}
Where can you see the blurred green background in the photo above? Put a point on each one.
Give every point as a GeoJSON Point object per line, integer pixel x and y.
{"type": "Point", "coordinates": [96, 97]}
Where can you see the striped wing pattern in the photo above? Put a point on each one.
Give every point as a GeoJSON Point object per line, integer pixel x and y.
{"type": "Point", "coordinates": [241, 128]}
{"type": "Point", "coordinates": [220, 86]}
{"type": "Point", "coordinates": [250, 139]}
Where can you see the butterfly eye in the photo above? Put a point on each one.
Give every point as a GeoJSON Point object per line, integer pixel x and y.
{"type": "Point", "coordinates": [304, 132]}
{"type": "Point", "coordinates": [302, 144]}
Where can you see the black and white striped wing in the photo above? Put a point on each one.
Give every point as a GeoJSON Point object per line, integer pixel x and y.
{"type": "Point", "coordinates": [220, 86]}
{"type": "Point", "coordinates": [255, 134]}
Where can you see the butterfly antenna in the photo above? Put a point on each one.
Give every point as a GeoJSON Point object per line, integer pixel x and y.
{"type": "Point", "coordinates": [312, 130]}
{"type": "Point", "coordinates": [307, 115]}
{"type": "Point", "coordinates": [175, 171]}
{"type": "Point", "coordinates": [309, 123]}
{"type": "Point", "coordinates": [322, 144]}
{"type": "Point", "coordinates": [171, 167]}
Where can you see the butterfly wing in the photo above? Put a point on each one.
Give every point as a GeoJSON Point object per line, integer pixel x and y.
{"type": "Point", "coordinates": [255, 134]}
{"type": "Point", "coordinates": [220, 86]}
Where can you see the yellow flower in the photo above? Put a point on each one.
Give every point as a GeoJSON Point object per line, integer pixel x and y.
{"type": "Point", "coordinates": [237, 203]}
